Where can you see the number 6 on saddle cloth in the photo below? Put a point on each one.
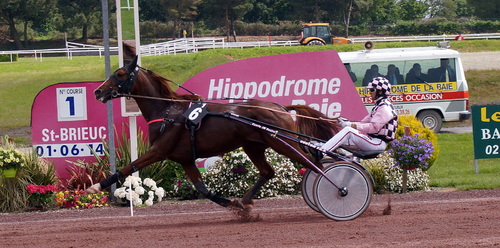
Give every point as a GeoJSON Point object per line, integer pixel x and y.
{"type": "Point", "coordinates": [194, 114]}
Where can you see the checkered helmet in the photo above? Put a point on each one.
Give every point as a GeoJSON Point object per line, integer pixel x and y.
{"type": "Point", "coordinates": [380, 84]}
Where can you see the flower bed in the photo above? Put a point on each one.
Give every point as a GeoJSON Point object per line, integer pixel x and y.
{"type": "Point", "coordinates": [79, 199]}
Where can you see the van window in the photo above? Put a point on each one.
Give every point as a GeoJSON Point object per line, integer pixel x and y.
{"type": "Point", "coordinates": [405, 72]}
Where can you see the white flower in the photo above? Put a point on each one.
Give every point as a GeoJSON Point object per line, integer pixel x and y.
{"type": "Point", "coordinates": [120, 192]}
{"type": "Point", "coordinates": [160, 192]}
{"type": "Point", "coordinates": [137, 201]}
{"type": "Point", "coordinates": [140, 190]}
{"type": "Point", "coordinates": [136, 181]}
{"type": "Point", "coordinates": [127, 183]}
{"type": "Point", "coordinates": [143, 192]}
{"type": "Point", "coordinates": [149, 182]}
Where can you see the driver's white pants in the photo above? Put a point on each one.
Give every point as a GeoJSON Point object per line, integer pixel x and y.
{"type": "Point", "coordinates": [353, 139]}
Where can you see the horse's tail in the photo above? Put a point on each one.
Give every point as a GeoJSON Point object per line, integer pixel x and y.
{"type": "Point", "coordinates": [313, 123]}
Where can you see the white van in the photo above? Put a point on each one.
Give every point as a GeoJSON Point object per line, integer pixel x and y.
{"type": "Point", "coordinates": [428, 82]}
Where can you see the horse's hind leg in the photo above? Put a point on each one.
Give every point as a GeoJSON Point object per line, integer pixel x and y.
{"type": "Point", "coordinates": [256, 153]}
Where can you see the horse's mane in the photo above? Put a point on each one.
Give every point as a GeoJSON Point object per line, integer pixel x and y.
{"type": "Point", "coordinates": [166, 91]}
{"type": "Point", "coordinates": [320, 125]}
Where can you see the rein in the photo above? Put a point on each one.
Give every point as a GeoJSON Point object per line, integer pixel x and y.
{"type": "Point", "coordinates": [235, 104]}
{"type": "Point", "coordinates": [126, 86]}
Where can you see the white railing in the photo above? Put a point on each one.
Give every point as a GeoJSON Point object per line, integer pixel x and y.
{"type": "Point", "coordinates": [187, 45]}
{"type": "Point", "coordinates": [192, 45]}
{"type": "Point", "coordinates": [443, 37]}
{"type": "Point", "coordinates": [69, 52]}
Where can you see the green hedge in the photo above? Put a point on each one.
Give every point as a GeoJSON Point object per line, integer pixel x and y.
{"type": "Point", "coordinates": [154, 29]}
{"type": "Point", "coordinates": [6, 57]}
{"type": "Point", "coordinates": [440, 26]}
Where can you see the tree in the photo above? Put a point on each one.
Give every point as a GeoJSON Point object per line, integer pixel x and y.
{"type": "Point", "coordinates": [442, 8]}
{"type": "Point", "coordinates": [381, 12]}
{"type": "Point", "coordinates": [345, 11]}
{"type": "Point", "coordinates": [312, 10]}
{"type": "Point", "coordinates": [412, 9]}
{"type": "Point", "coordinates": [179, 11]}
{"type": "Point", "coordinates": [486, 9]}
{"type": "Point", "coordinates": [464, 9]}
{"type": "Point", "coordinates": [37, 12]}
{"type": "Point", "coordinates": [151, 10]}
{"type": "Point", "coordinates": [81, 13]}
{"type": "Point", "coordinates": [226, 11]}
{"type": "Point", "coordinates": [10, 10]}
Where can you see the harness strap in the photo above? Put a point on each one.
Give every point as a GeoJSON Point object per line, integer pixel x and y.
{"type": "Point", "coordinates": [155, 120]}
{"type": "Point", "coordinates": [191, 126]}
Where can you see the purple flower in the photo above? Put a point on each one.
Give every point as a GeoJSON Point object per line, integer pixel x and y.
{"type": "Point", "coordinates": [411, 152]}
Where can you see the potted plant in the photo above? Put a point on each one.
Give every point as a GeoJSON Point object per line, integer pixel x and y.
{"type": "Point", "coordinates": [411, 152]}
{"type": "Point", "coordinates": [10, 161]}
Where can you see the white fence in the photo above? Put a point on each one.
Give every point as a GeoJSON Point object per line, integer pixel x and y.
{"type": "Point", "coordinates": [443, 37]}
{"type": "Point", "coordinates": [192, 45]}
{"type": "Point", "coordinates": [188, 45]}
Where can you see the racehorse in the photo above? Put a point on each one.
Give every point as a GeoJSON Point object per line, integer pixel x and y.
{"type": "Point", "coordinates": [171, 138]}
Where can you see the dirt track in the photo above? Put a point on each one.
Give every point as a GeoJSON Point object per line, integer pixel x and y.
{"type": "Point", "coordinates": [424, 219]}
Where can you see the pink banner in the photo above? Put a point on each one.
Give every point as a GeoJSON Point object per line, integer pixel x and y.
{"type": "Point", "coordinates": [318, 79]}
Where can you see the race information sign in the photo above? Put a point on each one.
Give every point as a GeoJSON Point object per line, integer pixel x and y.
{"type": "Point", "coordinates": [68, 124]}
{"type": "Point", "coordinates": [486, 131]}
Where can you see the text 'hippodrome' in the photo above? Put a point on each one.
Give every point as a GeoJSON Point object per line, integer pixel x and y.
{"type": "Point", "coordinates": [224, 88]}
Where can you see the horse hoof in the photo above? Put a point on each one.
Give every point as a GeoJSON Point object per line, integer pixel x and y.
{"type": "Point", "coordinates": [94, 189]}
{"type": "Point", "coordinates": [237, 204]}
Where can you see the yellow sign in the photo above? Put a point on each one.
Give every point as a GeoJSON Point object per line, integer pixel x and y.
{"type": "Point", "coordinates": [415, 88]}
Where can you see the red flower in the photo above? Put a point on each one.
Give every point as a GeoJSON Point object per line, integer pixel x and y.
{"type": "Point", "coordinates": [32, 188]}
{"type": "Point", "coordinates": [42, 189]}
{"type": "Point", "coordinates": [302, 171]}
{"type": "Point", "coordinates": [51, 187]}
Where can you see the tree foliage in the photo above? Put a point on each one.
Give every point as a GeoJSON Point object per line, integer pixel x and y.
{"type": "Point", "coordinates": [222, 16]}
{"type": "Point", "coordinates": [412, 9]}
{"type": "Point", "coordinates": [80, 14]}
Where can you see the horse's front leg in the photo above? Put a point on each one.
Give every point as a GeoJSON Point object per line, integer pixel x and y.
{"type": "Point", "coordinates": [148, 158]}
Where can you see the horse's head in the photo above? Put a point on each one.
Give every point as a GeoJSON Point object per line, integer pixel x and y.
{"type": "Point", "coordinates": [119, 84]}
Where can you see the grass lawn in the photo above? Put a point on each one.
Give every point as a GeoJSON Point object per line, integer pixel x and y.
{"type": "Point", "coordinates": [455, 165]}
{"type": "Point", "coordinates": [22, 80]}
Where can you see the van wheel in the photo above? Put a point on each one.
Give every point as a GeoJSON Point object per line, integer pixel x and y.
{"type": "Point", "coordinates": [431, 119]}
{"type": "Point", "coordinates": [315, 43]}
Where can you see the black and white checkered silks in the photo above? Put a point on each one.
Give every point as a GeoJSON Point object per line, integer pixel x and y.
{"type": "Point", "coordinates": [380, 83]}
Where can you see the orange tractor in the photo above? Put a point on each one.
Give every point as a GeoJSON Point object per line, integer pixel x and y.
{"type": "Point", "coordinates": [314, 34]}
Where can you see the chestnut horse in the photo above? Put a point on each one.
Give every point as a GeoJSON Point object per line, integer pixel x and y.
{"type": "Point", "coordinates": [170, 137]}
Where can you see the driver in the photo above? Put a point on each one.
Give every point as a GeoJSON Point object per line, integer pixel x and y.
{"type": "Point", "coordinates": [374, 131]}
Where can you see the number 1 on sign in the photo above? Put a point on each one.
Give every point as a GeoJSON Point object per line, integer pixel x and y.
{"type": "Point", "coordinates": [71, 100]}
{"type": "Point", "coordinates": [71, 104]}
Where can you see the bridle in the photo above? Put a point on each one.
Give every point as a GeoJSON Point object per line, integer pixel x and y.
{"type": "Point", "coordinates": [125, 85]}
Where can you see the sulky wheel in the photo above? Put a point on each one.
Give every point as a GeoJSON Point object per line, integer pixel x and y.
{"type": "Point", "coordinates": [352, 196]}
{"type": "Point", "coordinates": [306, 187]}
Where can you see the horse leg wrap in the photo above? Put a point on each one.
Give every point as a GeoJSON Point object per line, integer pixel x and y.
{"type": "Point", "coordinates": [110, 180]}
{"type": "Point", "coordinates": [247, 198]}
{"type": "Point", "coordinates": [200, 186]}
